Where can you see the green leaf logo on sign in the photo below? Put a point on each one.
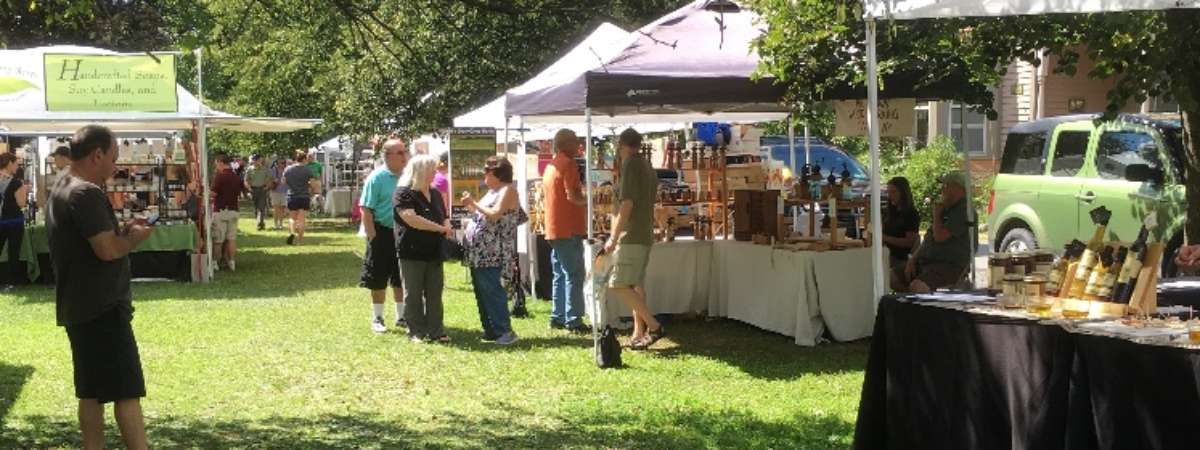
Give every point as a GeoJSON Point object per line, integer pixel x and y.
{"type": "Point", "coordinates": [110, 83]}
{"type": "Point", "coordinates": [13, 85]}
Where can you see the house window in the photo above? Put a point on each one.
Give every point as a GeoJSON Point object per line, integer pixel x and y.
{"type": "Point", "coordinates": [1163, 104]}
{"type": "Point", "coordinates": [968, 129]}
{"type": "Point", "coordinates": [921, 116]}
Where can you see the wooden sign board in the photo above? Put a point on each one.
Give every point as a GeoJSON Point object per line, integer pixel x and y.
{"type": "Point", "coordinates": [896, 117]}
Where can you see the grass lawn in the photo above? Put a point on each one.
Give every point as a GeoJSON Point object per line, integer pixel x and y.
{"type": "Point", "coordinates": [280, 355]}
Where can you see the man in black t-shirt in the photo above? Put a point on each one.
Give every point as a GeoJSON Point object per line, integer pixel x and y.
{"type": "Point", "coordinates": [90, 254]}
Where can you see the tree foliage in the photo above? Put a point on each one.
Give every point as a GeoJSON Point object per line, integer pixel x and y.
{"type": "Point", "coordinates": [364, 66]}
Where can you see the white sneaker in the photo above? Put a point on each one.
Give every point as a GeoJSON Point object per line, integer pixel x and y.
{"type": "Point", "coordinates": [232, 266]}
{"type": "Point", "coordinates": [378, 326]}
{"type": "Point", "coordinates": [507, 338]}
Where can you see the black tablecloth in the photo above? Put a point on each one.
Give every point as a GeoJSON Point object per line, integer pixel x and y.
{"type": "Point", "coordinates": [944, 379]}
{"type": "Point", "coordinates": [172, 265]}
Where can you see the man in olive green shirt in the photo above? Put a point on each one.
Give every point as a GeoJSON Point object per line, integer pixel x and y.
{"type": "Point", "coordinates": [632, 235]}
{"type": "Point", "coordinates": [258, 182]}
{"type": "Point", "coordinates": [945, 254]}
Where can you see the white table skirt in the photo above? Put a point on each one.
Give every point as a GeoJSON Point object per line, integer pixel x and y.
{"type": "Point", "coordinates": [845, 292]}
{"type": "Point", "coordinates": [676, 279]}
{"type": "Point", "coordinates": [796, 294]}
{"type": "Point", "coordinates": [768, 288]}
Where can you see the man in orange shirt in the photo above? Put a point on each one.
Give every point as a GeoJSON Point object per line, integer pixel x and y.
{"type": "Point", "coordinates": [566, 226]}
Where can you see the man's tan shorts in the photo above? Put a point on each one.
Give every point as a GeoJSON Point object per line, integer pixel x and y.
{"type": "Point", "coordinates": [630, 267]}
{"type": "Point", "coordinates": [224, 226]}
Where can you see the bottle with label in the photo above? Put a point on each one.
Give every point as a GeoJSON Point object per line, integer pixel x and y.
{"type": "Point", "coordinates": [1098, 276]}
{"type": "Point", "coordinates": [1091, 255]}
{"type": "Point", "coordinates": [1105, 290]}
{"type": "Point", "coordinates": [1127, 278]}
{"type": "Point", "coordinates": [1058, 272]}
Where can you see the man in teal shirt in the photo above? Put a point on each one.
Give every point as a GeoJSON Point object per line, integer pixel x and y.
{"type": "Point", "coordinates": [380, 265]}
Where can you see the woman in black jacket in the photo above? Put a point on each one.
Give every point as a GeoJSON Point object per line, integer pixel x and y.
{"type": "Point", "coordinates": [12, 216]}
{"type": "Point", "coordinates": [421, 226]}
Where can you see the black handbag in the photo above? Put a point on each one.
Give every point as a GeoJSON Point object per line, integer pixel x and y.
{"type": "Point", "coordinates": [452, 250]}
{"type": "Point", "coordinates": [608, 354]}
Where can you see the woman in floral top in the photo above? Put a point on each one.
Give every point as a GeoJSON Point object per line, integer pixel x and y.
{"type": "Point", "coordinates": [491, 243]}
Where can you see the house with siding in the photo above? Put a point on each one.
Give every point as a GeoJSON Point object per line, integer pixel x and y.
{"type": "Point", "coordinates": [1025, 93]}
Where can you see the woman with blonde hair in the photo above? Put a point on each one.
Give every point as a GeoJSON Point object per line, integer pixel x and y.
{"type": "Point", "coordinates": [421, 225]}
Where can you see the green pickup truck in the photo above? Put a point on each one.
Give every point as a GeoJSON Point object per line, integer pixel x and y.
{"type": "Point", "coordinates": [1055, 171]}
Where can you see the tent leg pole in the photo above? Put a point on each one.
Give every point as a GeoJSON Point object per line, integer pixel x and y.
{"type": "Point", "coordinates": [202, 148]}
{"type": "Point", "coordinates": [587, 166]}
{"type": "Point", "coordinates": [523, 191]}
{"type": "Point", "coordinates": [877, 262]}
{"type": "Point", "coordinates": [792, 144]}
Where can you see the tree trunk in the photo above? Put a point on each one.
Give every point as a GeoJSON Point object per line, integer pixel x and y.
{"type": "Point", "coordinates": [1191, 124]}
{"type": "Point", "coordinates": [1182, 28]}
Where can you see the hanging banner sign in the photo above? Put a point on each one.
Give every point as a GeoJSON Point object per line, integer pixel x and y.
{"type": "Point", "coordinates": [469, 149]}
{"type": "Point", "coordinates": [896, 117]}
{"type": "Point", "coordinates": [110, 83]}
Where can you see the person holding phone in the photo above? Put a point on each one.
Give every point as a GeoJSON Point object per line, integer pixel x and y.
{"type": "Point", "coordinates": [12, 217]}
{"type": "Point", "coordinates": [90, 250]}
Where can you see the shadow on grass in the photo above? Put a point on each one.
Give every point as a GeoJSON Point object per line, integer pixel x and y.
{"type": "Point", "coordinates": [12, 380]}
{"type": "Point", "coordinates": [259, 275]}
{"type": "Point", "coordinates": [759, 353]}
{"type": "Point", "coordinates": [470, 340]}
{"type": "Point", "coordinates": [648, 427]}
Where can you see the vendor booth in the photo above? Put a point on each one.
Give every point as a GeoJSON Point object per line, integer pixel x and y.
{"type": "Point", "coordinates": [1057, 355]}
{"type": "Point", "coordinates": [684, 68]}
{"type": "Point", "coordinates": [163, 162]}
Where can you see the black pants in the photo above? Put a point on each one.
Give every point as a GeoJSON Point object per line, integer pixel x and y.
{"type": "Point", "coordinates": [10, 238]}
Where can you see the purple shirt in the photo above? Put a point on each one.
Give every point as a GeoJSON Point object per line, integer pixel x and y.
{"type": "Point", "coordinates": [442, 184]}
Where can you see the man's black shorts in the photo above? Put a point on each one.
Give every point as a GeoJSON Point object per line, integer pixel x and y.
{"type": "Point", "coordinates": [299, 203]}
{"type": "Point", "coordinates": [380, 265]}
{"type": "Point", "coordinates": [105, 353]}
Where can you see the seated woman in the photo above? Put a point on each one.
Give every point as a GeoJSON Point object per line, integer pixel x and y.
{"type": "Point", "coordinates": [901, 223]}
{"type": "Point", "coordinates": [945, 254]}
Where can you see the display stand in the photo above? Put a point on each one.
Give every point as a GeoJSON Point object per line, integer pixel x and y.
{"type": "Point", "coordinates": [1145, 294]}
{"type": "Point", "coordinates": [705, 168]}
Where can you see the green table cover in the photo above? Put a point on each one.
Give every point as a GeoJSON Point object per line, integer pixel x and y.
{"type": "Point", "coordinates": [166, 238]}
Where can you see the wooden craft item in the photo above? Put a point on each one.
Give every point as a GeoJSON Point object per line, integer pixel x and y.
{"type": "Point", "coordinates": [1106, 310]}
{"type": "Point", "coordinates": [1064, 288]}
{"type": "Point", "coordinates": [1145, 294]}
{"type": "Point", "coordinates": [833, 222]}
{"type": "Point", "coordinates": [812, 219]}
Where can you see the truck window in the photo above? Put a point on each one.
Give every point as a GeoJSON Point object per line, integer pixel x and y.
{"type": "Point", "coordinates": [1120, 149]}
{"type": "Point", "coordinates": [1070, 151]}
{"type": "Point", "coordinates": [1024, 154]}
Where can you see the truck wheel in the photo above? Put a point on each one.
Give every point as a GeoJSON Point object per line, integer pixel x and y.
{"type": "Point", "coordinates": [1018, 240]}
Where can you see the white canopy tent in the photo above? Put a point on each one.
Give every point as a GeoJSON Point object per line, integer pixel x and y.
{"type": "Point", "coordinates": [935, 9]}
{"type": "Point", "coordinates": [24, 112]}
